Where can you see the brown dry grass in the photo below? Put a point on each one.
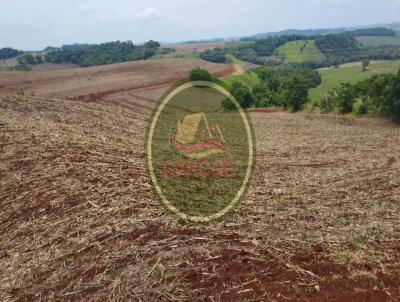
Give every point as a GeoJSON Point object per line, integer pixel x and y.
{"type": "Point", "coordinates": [79, 222]}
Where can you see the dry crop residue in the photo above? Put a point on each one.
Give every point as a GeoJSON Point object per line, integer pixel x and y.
{"type": "Point", "coordinates": [79, 221]}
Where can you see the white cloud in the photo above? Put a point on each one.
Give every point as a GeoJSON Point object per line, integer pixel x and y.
{"type": "Point", "coordinates": [148, 13]}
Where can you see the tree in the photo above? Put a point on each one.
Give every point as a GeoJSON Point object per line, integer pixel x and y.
{"type": "Point", "coordinates": [380, 93]}
{"type": "Point", "coordinates": [149, 44]}
{"type": "Point", "coordinates": [29, 59]}
{"type": "Point", "coordinates": [264, 73]}
{"type": "Point", "coordinates": [242, 94]}
{"type": "Point", "coordinates": [199, 74]}
{"type": "Point", "coordinates": [38, 59]}
{"type": "Point", "coordinates": [390, 106]}
{"type": "Point", "coordinates": [216, 55]}
{"type": "Point", "coordinates": [269, 77]}
{"type": "Point", "coordinates": [7, 53]}
{"type": "Point", "coordinates": [263, 96]}
{"type": "Point", "coordinates": [344, 97]}
{"type": "Point", "coordinates": [228, 104]}
{"type": "Point", "coordinates": [365, 64]}
{"type": "Point", "coordinates": [294, 93]}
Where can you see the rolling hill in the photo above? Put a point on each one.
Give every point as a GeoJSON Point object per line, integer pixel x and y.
{"type": "Point", "coordinates": [300, 51]}
{"type": "Point", "coordinates": [322, 31]}
{"type": "Point", "coordinates": [349, 73]}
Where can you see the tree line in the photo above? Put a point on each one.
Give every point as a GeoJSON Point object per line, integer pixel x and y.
{"type": "Point", "coordinates": [285, 87]}
{"type": "Point", "coordinates": [106, 53]}
{"type": "Point", "coordinates": [8, 53]}
{"type": "Point", "coordinates": [252, 52]}
{"type": "Point", "coordinates": [378, 31]}
{"type": "Point", "coordinates": [86, 55]}
{"type": "Point", "coordinates": [344, 48]}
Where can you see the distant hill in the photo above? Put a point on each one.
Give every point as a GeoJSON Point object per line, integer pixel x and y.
{"type": "Point", "coordinates": [356, 31]}
{"type": "Point", "coordinates": [373, 32]}
{"type": "Point", "coordinates": [215, 40]}
{"type": "Point", "coordinates": [299, 32]}
{"type": "Point", "coordinates": [314, 50]}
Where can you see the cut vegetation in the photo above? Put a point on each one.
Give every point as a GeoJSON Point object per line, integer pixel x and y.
{"type": "Point", "coordinates": [79, 221]}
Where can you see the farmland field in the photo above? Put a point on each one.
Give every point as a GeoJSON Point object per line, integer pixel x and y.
{"type": "Point", "coordinates": [248, 78]}
{"type": "Point", "coordinates": [350, 73]}
{"type": "Point", "coordinates": [379, 40]}
{"type": "Point", "coordinates": [191, 48]}
{"type": "Point", "coordinates": [9, 63]}
{"type": "Point", "coordinates": [243, 73]}
{"type": "Point", "coordinates": [300, 51]}
{"type": "Point", "coordinates": [117, 83]}
{"type": "Point", "coordinates": [79, 221]}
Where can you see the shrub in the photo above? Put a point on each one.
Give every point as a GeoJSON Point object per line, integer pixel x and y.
{"type": "Point", "coordinates": [216, 55]}
{"type": "Point", "coordinates": [344, 97]}
{"type": "Point", "coordinates": [294, 93]}
{"type": "Point", "coordinates": [362, 106]}
{"type": "Point", "coordinates": [199, 74]}
{"type": "Point", "coordinates": [228, 104]}
{"type": "Point", "coordinates": [263, 96]}
{"type": "Point", "coordinates": [327, 103]}
{"type": "Point", "coordinates": [242, 94]}
{"type": "Point", "coordinates": [22, 67]}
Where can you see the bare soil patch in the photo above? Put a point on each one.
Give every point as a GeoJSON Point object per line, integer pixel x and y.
{"type": "Point", "coordinates": [183, 49]}
{"type": "Point", "coordinates": [109, 79]}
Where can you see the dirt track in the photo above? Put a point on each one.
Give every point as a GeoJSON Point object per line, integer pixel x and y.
{"type": "Point", "coordinates": [79, 222]}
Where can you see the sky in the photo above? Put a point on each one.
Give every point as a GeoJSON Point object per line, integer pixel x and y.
{"type": "Point", "coordinates": [34, 24]}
